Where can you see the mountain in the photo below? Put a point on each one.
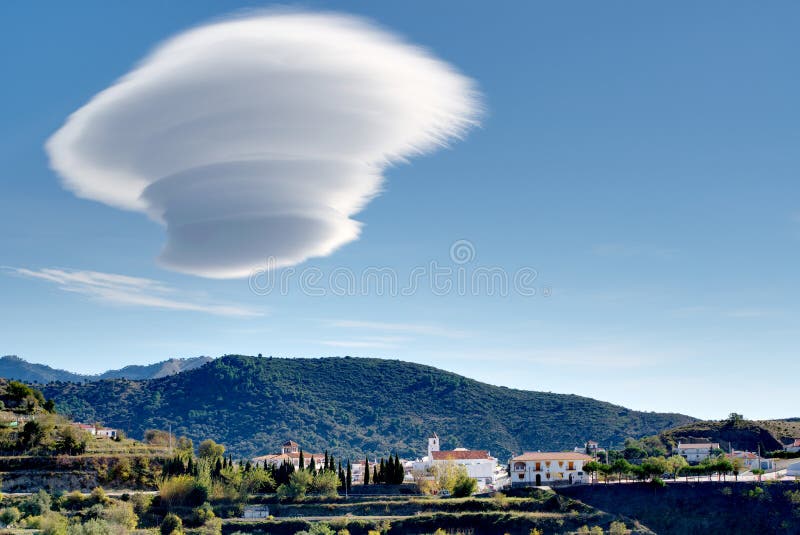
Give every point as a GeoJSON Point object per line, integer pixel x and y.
{"type": "Point", "coordinates": [351, 406]}
{"type": "Point", "coordinates": [13, 367]}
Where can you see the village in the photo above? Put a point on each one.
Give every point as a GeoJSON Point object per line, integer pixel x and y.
{"type": "Point", "coordinates": [586, 464]}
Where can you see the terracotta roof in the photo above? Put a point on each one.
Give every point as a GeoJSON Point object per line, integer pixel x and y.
{"type": "Point", "coordinates": [795, 443]}
{"type": "Point", "coordinates": [453, 455]}
{"type": "Point", "coordinates": [699, 446]}
{"type": "Point", "coordinates": [279, 457]}
{"type": "Point", "coordinates": [552, 456]}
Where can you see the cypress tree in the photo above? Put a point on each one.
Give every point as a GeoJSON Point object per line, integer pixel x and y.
{"type": "Point", "coordinates": [349, 476]}
{"type": "Point", "coordinates": [375, 475]}
{"type": "Point", "coordinates": [325, 466]}
{"type": "Point", "coordinates": [302, 462]}
{"type": "Point", "coordinates": [366, 471]}
{"type": "Point", "coordinates": [382, 472]}
{"type": "Point", "coordinates": [312, 466]}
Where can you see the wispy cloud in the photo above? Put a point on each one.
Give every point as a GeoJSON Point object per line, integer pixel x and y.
{"type": "Point", "coordinates": [409, 328]}
{"type": "Point", "coordinates": [128, 291]}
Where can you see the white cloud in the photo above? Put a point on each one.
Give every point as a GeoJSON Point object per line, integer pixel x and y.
{"type": "Point", "coordinates": [261, 136]}
{"type": "Point", "coordinates": [130, 291]}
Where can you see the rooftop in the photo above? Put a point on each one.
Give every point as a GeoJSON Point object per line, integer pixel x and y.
{"type": "Point", "coordinates": [459, 454]}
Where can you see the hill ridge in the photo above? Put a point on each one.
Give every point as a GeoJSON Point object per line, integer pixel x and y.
{"type": "Point", "coordinates": [352, 406]}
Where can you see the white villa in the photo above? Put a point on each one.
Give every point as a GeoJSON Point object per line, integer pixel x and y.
{"type": "Point", "coordinates": [549, 468]}
{"type": "Point", "coordinates": [479, 463]}
{"type": "Point", "coordinates": [290, 452]}
{"type": "Point", "coordinates": [590, 448]}
{"type": "Point", "coordinates": [751, 461]}
{"type": "Point", "coordinates": [696, 452]}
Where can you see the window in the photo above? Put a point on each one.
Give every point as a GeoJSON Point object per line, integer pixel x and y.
{"type": "Point", "coordinates": [519, 466]}
{"type": "Point", "coordinates": [538, 466]}
{"type": "Point", "coordinates": [571, 465]}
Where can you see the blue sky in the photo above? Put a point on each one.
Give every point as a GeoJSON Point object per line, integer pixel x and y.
{"type": "Point", "coordinates": [640, 157]}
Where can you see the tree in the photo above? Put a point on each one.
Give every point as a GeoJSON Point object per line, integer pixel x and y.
{"type": "Point", "coordinates": [297, 487]}
{"type": "Point", "coordinates": [653, 467]}
{"type": "Point", "coordinates": [592, 467]}
{"type": "Point", "coordinates": [325, 483]}
{"type": "Point", "coordinates": [677, 464]}
{"type": "Point", "coordinates": [349, 476]}
{"type": "Point", "coordinates": [464, 485]}
{"type": "Point", "coordinates": [210, 450]}
{"type": "Point", "coordinates": [10, 516]}
{"type": "Point", "coordinates": [620, 467]}
{"type": "Point", "coordinates": [302, 463]}
{"type": "Point", "coordinates": [172, 525]}
{"type": "Point", "coordinates": [366, 471]}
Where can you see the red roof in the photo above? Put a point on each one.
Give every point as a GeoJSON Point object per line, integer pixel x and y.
{"type": "Point", "coordinates": [454, 455]}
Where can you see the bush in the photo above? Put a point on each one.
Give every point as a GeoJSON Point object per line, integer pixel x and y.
{"type": "Point", "coordinates": [171, 525]}
{"type": "Point", "coordinates": [317, 529]}
{"type": "Point", "coordinates": [10, 516]}
{"type": "Point", "coordinates": [326, 483]}
{"type": "Point", "coordinates": [53, 524]}
{"type": "Point", "coordinates": [297, 487]}
{"type": "Point", "coordinates": [141, 503]}
{"type": "Point", "coordinates": [464, 486]}
{"type": "Point", "coordinates": [182, 490]}
{"type": "Point", "coordinates": [617, 528]}
{"type": "Point", "coordinates": [212, 526]}
{"type": "Point", "coordinates": [99, 496]}
{"type": "Point", "coordinates": [92, 527]}
{"type": "Point", "coordinates": [38, 504]}
{"type": "Point", "coordinates": [121, 514]}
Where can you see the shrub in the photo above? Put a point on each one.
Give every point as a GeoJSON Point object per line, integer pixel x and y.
{"type": "Point", "coordinates": [53, 524]}
{"type": "Point", "coordinates": [171, 525]}
{"type": "Point", "coordinates": [617, 528]}
{"type": "Point", "coordinates": [317, 529]}
{"type": "Point", "coordinates": [182, 490]}
{"type": "Point", "coordinates": [121, 514]}
{"type": "Point", "coordinates": [464, 486]}
{"type": "Point", "coordinates": [38, 504]}
{"type": "Point", "coordinates": [92, 527]}
{"type": "Point", "coordinates": [297, 487]}
{"type": "Point", "coordinates": [99, 496]}
{"type": "Point", "coordinates": [10, 516]}
{"type": "Point", "coordinates": [212, 526]}
{"type": "Point", "coordinates": [326, 483]}
{"type": "Point", "coordinates": [141, 503]}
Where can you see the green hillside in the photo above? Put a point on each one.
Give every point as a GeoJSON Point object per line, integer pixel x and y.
{"type": "Point", "coordinates": [350, 406]}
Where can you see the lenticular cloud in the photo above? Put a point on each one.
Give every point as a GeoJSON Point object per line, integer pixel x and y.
{"type": "Point", "coordinates": [261, 136]}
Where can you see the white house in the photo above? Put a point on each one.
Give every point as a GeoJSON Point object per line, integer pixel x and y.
{"type": "Point", "coordinates": [290, 452]}
{"type": "Point", "coordinates": [92, 430]}
{"type": "Point", "coordinates": [794, 447]}
{"type": "Point", "coordinates": [105, 432]}
{"type": "Point", "coordinates": [752, 461]}
{"type": "Point", "coordinates": [590, 448]}
{"type": "Point", "coordinates": [696, 452]}
{"type": "Point", "coordinates": [549, 468]}
{"type": "Point", "coordinates": [479, 463]}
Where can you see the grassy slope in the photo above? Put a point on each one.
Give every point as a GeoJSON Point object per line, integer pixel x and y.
{"type": "Point", "coordinates": [351, 406]}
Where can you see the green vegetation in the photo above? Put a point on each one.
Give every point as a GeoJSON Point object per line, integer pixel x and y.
{"type": "Point", "coordinates": [735, 432]}
{"type": "Point", "coordinates": [253, 404]}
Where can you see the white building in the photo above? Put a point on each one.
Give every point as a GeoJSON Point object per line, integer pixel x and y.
{"type": "Point", "coordinates": [696, 452]}
{"type": "Point", "coordinates": [793, 470]}
{"type": "Point", "coordinates": [290, 452]}
{"type": "Point", "coordinates": [106, 432]}
{"type": "Point", "coordinates": [794, 447]}
{"type": "Point", "coordinates": [480, 464]}
{"type": "Point", "coordinates": [549, 468]}
{"type": "Point", "coordinates": [752, 461]}
{"type": "Point", "coordinates": [591, 448]}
